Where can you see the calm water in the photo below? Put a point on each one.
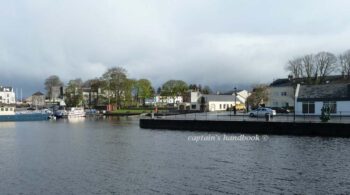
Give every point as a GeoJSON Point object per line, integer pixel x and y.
{"type": "Point", "coordinates": [115, 156]}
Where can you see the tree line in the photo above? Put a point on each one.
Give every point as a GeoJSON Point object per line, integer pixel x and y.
{"type": "Point", "coordinates": [114, 87]}
{"type": "Point", "coordinates": [316, 67]}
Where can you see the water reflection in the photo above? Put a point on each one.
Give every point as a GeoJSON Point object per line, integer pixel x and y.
{"type": "Point", "coordinates": [76, 119]}
{"type": "Point", "coordinates": [6, 125]}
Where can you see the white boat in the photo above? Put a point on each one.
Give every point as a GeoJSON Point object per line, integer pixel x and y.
{"type": "Point", "coordinates": [76, 112]}
{"type": "Point", "coordinates": [7, 113]}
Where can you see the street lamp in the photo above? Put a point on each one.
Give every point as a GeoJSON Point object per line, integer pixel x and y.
{"type": "Point", "coordinates": [235, 108]}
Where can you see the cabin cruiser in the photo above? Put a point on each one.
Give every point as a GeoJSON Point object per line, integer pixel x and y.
{"type": "Point", "coordinates": [76, 112]}
{"type": "Point", "coordinates": [7, 113]}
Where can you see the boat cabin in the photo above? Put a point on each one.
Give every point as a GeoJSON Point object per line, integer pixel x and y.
{"type": "Point", "coordinates": [7, 110]}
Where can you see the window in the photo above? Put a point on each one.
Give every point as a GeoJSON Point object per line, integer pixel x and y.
{"type": "Point", "coordinates": [2, 109]}
{"type": "Point", "coordinates": [308, 107]}
{"type": "Point", "coordinates": [284, 93]}
{"type": "Point", "coordinates": [194, 106]}
{"type": "Point", "coordinates": [0, 97]}
{"type": "Point", "coordinates": [6, 109]}
{"type": "Point", "coordinates": [332, 105]}
{"type": "Point", "coordinates": [224, 106]}
{"type": "Point", "coordinates": [220, 106]}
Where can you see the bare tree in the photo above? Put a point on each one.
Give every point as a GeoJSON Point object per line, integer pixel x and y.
{"type": "Point", "coordinates": [344, 60]}
{"type": "Point", "coordinates": [308, 66]}
{"type": "Point", "coordinates": [295, 67]}
{"type": "Point", "coordinates": [326, 64]}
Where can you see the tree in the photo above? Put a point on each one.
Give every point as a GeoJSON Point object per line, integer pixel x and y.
{"type": "Point", "coordinates": [50, 82]}
{"type": "Point", "coordinates": [344, 60]}
{"type": "Point", "coordinates": [159, 90]}
{"type": "Point", "coordinates": [314, 68]}
{"type": "Point", "coordinates": [174, 88]}
{"type": "Point", "coordinates": [193, 87]}
{"type": "Point", "coordinates": [325, 114]}
{"type": "Point", "coordinates": [115, 82]}
{"type": "Point", "coordinates": [295, 66]}
{"type": "Point", "coordinates": [206, 90]}
{"type": "Point", "coordinates": [325, 64]}
{"type": "Point", "coordinates": [258, 96]}
{"type": "Point", "coordinates": [130, 87]}
{"type": "Point", "coordinates": [144, 90]}
{"type": "Point", "coordinates": [95, 86]}
{"type": "Point", "coordinates": [200, 87]}
{"type": "Point", "coordinates": [74, 93]}
{"type": "Point", "coordinates": [309, 67]}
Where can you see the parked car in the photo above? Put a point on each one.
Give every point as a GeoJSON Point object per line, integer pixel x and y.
{"type": "Point", "coordinates": [280, 110]}
{"type": "Point", "coordinates": [262, 112]}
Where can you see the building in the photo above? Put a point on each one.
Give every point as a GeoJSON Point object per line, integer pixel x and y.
{"type": "Point", "coordinates": [281, 93]}
{"type": "Point", "coordinates": [220, 102]}
{"type": "Point", "coordinates": [90, 97]}
{"type": "Point", "coordinates": [195, 101]}
{"type": "Point", "coordinates": [36, 100]}
{"type": "Point", "coordinates": [311, 98]}
{"type": "Point", "coordinates": [164, 100]}
{"type": "Point", "coordinates": [192, 101]}
{"type": "Point", "coordinates": [7, 95]}
{"type": "Point", "coordinates": [243, 95]}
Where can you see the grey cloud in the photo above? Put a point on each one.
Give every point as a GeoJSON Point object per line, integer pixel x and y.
{"type": "Point", "coordinates": [219, 43]}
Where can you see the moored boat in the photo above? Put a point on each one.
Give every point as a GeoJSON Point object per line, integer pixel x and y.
{"type": "Point", "coordinates": [60, 113]}
{"type": "Point", "coordinates": [7, 113]}
{"type": "Point", "coordinates": [76, 112]}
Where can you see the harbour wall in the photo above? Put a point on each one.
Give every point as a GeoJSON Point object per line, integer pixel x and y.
{"type": "Point", "coordinates": [251, 127]}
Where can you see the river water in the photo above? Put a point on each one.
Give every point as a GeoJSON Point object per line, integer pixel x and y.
{"type": "Point", "coordinates": [115, 156]}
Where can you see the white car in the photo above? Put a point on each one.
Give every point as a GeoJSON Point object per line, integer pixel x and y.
{"type": "Point", "coordinates": [262, 112]}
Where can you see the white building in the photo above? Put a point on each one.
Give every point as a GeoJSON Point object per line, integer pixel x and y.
{"type": "Point", "coordinates": [220, 102]}
{"type": "Point", "coordinates": [243, 95]}
{"type": "Point", "coordinates": [311, 98]}
{"type": "Point", "coordinates": [164, 100]}
{"type": "Point", "coordinates": [195, 101]}
{"type": "Point", "coordinates": [281, 94]}
{"type": "Point", "coordinates": [7, 95]}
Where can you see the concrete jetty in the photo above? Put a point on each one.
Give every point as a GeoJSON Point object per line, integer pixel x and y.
{"type": "Point", "coordinates": [251, 127]}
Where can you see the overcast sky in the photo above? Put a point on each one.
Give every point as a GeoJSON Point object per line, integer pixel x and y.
{"type": "Point", "coordinates": [214, 42]}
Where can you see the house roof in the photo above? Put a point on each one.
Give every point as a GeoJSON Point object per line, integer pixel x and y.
{"type": "Point", "coordinates": [325, 92]}
{"type": "Point", "coordinates": [294, 81]}
{"type": "Point", "coordinates": [220, 98]}
{"type": "Point", "coordinates": [38, 94]}
{"type": "Point", "coordinates": [281, 83]}
{"type": "Point", "coordinates": [5, 89]}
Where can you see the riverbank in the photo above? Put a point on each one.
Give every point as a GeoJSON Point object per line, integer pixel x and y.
{"type": "Point", "coordinates": [146, 112]}
{"type": "Point", "coordinates": [251, 127]}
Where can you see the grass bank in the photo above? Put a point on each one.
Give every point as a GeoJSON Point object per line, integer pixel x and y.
{"type": "Point", "coordinates": [131, 111]}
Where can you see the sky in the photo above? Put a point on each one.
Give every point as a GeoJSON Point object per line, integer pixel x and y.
{"type": "Point", "coordinates": [220, 43]}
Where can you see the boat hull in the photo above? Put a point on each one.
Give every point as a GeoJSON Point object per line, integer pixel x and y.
{"type": "Point", "coordinates": [25, 117]}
